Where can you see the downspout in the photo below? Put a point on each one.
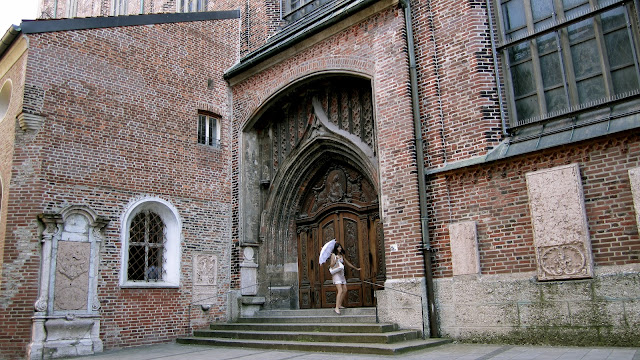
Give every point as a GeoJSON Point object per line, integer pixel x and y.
{"type": "Point", "coordinates": [424, 220]}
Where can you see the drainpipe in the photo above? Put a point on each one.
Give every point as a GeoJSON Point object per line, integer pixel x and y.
{"type": "Point", "coordinates": [424, 220]}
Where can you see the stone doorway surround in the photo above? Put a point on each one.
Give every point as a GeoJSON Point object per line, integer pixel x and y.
{"type": "Point", "coordinates": [307, 127]}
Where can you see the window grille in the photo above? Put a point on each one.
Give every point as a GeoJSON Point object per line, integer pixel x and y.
{"type": "Point", "coordinates": [566, 56]}
{"type": "Point", "coordinates": [209, 130]}
{"type": "Point", "coordinates": [146, 247]}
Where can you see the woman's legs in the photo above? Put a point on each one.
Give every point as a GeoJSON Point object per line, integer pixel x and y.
{"type": "Point", "coordinates": [342, 290]}
{"type": "Point", "coordinates": [344, 295]}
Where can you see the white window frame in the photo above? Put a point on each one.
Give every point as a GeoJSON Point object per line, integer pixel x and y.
{"type": "Point", "coordinates": [172, 259]}
{"type": "Point", "coordinates": [212, 140]}
{"type": "Point", "coordinates": [72, 8]}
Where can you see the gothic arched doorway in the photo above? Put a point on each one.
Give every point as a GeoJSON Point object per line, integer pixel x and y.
{"type": "Point", "coordinates": [319, 131]}
{"type": "Point", "coordinates": [339, 204]}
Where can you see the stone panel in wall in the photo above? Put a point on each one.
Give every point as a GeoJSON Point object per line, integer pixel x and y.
{"type": "Point", "coordinates": [464, 248]}
{"type": "Point", "coordinates": [72, 275]}
{"type": "Point", "coordinates": [634, 179]}
{"type": "Point", "coordinates": [561, 233]}
{"type": "Point", "coordinates": [205, 269]}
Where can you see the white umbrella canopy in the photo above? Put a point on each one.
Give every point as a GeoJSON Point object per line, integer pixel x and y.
{"type": "Point", "coordinates": [326, 251]}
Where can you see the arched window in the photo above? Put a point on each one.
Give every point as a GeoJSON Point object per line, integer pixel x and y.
{"type": "Point", "coordinates": [151, 245]}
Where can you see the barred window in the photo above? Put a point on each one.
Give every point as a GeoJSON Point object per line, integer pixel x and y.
{"type": "Point", "coordinates": [209, 130]}
{"type": "Point", "coordinates": [568, 56]}
{"type": "Point", "coordinates": [146, 247]}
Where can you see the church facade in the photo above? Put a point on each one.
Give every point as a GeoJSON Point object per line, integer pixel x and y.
{"type": "Point", "coordinates": [168, 164]}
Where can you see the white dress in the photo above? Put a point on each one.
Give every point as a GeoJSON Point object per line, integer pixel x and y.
{"type": "Point", "coordinates": [338, 278]}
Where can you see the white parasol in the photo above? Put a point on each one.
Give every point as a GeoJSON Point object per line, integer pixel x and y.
{"type": "Point", "coordinates": [326, 251]}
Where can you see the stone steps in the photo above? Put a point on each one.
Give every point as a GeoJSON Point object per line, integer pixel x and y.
{"type": "Point", "coordinates": [321, 330]}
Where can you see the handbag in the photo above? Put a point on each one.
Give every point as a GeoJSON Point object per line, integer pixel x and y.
{"type": "Point", "coordinates": [339, 267]}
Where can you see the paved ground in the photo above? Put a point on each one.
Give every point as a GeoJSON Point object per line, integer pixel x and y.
{"type": "Point", "coordinates": [444, 352]}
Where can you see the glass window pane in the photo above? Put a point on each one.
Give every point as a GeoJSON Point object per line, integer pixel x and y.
{"type": "Point", "coordinates": [551, 70]}
{"type": "Point", "coordinates": [513, 13]}
{"type": "Point", "coordinates": [201, 129]}
{"type": "Point", "coordinates": [547, 43]}
{"type": "Point", "coordinates": [519, 52]}
{"type": "Point", "coordinates": [541, 9]}
{"type": "Point", "coordinates": [135, 268]}
{"type": "Point", "coordinates": [618, 48]}
{"type": "Point", "coordinates": [556, 99]}
{"type": "Point", "coordinates": [569, 4]}
{"type": "Point", "coordinates": [527, 107]}
{"type": "Point", "coordinates": [523, 80]}
{"type": "Point", "coordinates": [581, 31]}
{"type": "Point", "coordinates": [591, 89]}
{"type": "Point", "coordinates": [625, 80]}
{"type": "Point", "coordinates": [586, 60]}
{"type": "Point", "coordinates": [613, 19]}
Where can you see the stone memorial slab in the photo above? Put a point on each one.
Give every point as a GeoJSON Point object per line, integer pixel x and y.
{"type": "Point", "coordinates": [464, 248]}
{"type": "Point", "coordinates": [72, 275]}
{"type": "Point", "coordinates": [561, 232]}
{"type": "Point", "coordinates": [634, 179]}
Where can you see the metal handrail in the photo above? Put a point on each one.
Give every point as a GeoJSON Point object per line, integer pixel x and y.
{"type": "Point", "coordinates": [404, 292]}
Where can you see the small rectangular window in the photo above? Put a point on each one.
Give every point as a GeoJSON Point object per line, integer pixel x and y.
{"type": "Point", "coordinates": [209, 130]}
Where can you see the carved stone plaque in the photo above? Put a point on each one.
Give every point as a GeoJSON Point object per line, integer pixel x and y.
{"type": "Point", "coordinates": [72, 275]}
{"type": "Point", "coordinates": [561, 233]}
{"type": "Point", "coordinates": [464, 248]}
{"type": "Point", "coordinates": [206, 269]}
{"type": "Point", "coordinates": [205, 274]}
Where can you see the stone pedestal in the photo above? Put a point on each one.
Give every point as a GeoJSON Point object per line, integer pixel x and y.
{"type": "Point", "coordinates": [403, 301]}
{"type": "Point", "coordinates": [248, 274]}
{"type": "Point", "coordinates": [251, 305]}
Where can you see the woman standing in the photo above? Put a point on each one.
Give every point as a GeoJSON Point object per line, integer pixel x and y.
{"type": "Point", "coordinates": [338, 256]}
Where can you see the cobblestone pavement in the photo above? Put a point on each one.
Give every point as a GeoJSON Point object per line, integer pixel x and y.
{"type": "Point", "coordinates": [454, 351]}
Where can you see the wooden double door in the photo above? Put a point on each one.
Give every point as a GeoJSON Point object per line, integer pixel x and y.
{"type": "Point", "coordinates": [359, 231]}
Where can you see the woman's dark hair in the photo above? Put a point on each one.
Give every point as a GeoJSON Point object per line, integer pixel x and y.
{"type": "Point", "coordinates": [335, 249]}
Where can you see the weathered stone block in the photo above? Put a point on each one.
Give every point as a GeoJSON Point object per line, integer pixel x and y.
{"type": "Point", "coordinates": [464, 248]}
{"type": "Point", "coordinates": [402, 302]}
{"type": "Point", "coordinates": [544, 313]}
{"type": "Point", "coordinates": [487, 315]}
{"type": "Point", "coordinates": [634, 180]}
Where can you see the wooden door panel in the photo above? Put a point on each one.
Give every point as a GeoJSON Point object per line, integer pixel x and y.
{"type": "Point", "coordinates": [358, 234]}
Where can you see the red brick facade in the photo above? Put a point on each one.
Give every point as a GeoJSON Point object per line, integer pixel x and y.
{"type": "Point", "coordinates": [120, 107]}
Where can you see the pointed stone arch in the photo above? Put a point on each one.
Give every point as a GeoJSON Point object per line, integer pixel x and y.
{"type": "Point", "coordinates": [319, 123]}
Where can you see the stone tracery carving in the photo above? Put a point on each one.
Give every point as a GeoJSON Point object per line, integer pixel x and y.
{"type": "Point", "coordinates": [564, 260]}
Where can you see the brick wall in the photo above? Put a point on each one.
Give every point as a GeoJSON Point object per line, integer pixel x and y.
{"type": "Point", "coordinates": [458, 94]}
{"type": "Point", "coordinates": [17, 292]}
{"type": "Point", "coordinates": [495, 196]}
{"type": "Point", "coordinates": [121, 123]}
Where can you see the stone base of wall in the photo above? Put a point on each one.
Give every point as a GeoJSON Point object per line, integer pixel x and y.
{"type": "Point", "coordinates": [604, 310]}
{"type": "Point", "coordinates": [404, 302]}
